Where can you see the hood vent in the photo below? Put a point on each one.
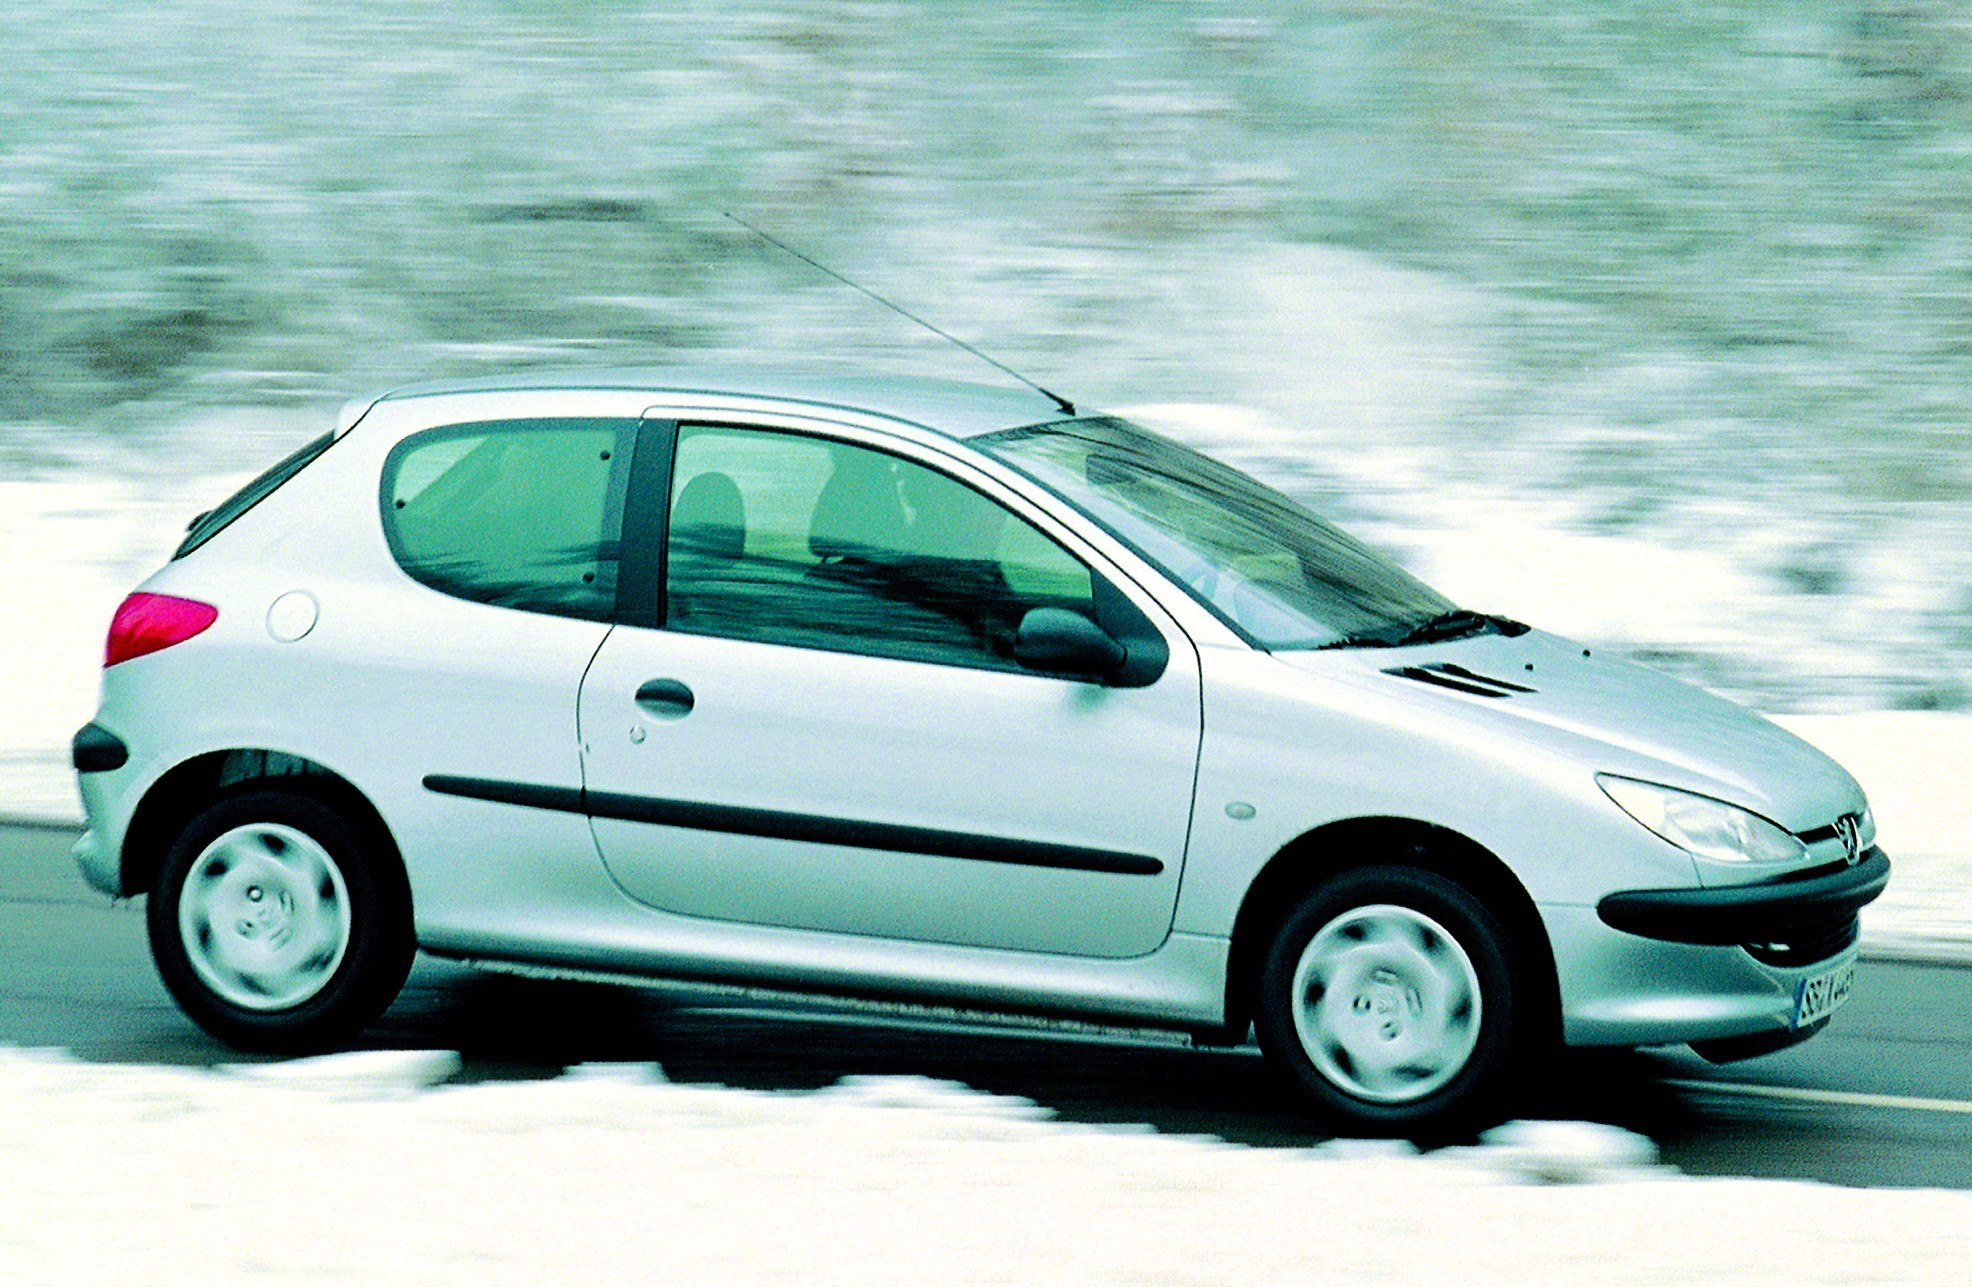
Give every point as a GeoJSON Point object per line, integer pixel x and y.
{"type": "Point", "coordinates": [1460, 680]}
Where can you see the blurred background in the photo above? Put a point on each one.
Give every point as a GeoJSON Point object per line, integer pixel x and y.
{"type": "Point", "coordinates": [1647, 323]}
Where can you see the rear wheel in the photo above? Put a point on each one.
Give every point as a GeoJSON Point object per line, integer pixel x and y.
{"type": "Point", "coordinates": [1388, 997]}
{"type": "Point", "coordinates": [278, 925]}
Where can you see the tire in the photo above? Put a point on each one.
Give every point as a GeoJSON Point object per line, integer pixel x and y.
{"type": "Point", "coordinates": [1388, 998]}
{"type": "Point", "coordinates": [278, 925]}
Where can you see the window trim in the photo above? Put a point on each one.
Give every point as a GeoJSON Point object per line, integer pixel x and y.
{"type": "Point", "coordinates": [615, 499]}
{"type": "Point", "coordinates": [641, 579]}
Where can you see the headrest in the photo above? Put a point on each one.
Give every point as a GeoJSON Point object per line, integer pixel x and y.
{"type": "Point", "coordinates": [709, 518]}
{"type": "Point", "coordinates": [858, 512]}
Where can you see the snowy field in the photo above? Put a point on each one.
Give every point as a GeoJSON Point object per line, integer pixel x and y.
{"type": "Point", "coordinates": [81, 532]}
{"type": "Point", "coordinates": [369, 1168]}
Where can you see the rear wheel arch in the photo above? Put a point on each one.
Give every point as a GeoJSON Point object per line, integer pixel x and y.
{"type": "Point", "coordinates": [1307, 861]}
{"type": "Point", "coordinates": [188, 789]}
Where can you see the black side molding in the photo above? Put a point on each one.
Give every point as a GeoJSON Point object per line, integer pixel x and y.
{"type": "Point", "coordinates": [97, 750]}
{"type": "Point", "coordinates": [772, 824]}
{"type": "Point", "coordinates": [1764, 913]}
{"type": "Point", "coordinates": [558, 799]}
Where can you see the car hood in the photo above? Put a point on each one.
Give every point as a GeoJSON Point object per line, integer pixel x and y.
{"type": "Point", "coordinates": [1613, 715]}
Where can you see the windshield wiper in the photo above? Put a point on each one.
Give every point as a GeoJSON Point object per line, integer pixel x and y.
{"type": "Point", "coordinates": [1455, 624]}
{"type": "Point", "coordinates": [1358, 641]}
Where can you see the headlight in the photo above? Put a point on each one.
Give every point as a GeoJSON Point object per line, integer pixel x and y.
{"type": "Point", "coordinates": [1706, 827]}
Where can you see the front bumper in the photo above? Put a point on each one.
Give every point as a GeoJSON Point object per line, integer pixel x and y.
{"type": "Point", "coordinates": [1710, 965]}
{"type": "Point", "coordinates": [1778, 911]}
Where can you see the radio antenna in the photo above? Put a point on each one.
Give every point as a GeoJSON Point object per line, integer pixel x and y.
{"type": "Point", "coordinates": [1067, 407]}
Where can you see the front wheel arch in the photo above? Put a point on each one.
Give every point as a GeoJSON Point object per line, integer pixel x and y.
{"type": "Point", "coordinates": [1336, 847]}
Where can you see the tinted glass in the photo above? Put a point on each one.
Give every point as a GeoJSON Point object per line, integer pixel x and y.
{"type": "Point", "coordinates": [1283, 577]}
{"type": "Point", "coordinates": [787, 539]}
{"type": "Point", "coordinates": [522, 514]}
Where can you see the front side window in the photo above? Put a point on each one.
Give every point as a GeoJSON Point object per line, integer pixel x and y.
{"type": "Point", "coordinates": [1277, 573]}
{"type": "Point", "coordinates": [518, 513]}
{"type": "Point", "coordinates": [787, 539]}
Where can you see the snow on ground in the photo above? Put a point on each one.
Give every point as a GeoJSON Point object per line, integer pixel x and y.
{"type": "Point", "coordinates": [79, 537]}
{"type": "Point", "coordinates": [361, 1169]}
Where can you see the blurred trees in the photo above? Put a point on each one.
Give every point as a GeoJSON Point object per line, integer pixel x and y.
{"type": "Point", "coordinates": [1747, 225]}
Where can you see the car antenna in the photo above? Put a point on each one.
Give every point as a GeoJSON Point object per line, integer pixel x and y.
{"type": "Point", "coordinates": [1067, 407]}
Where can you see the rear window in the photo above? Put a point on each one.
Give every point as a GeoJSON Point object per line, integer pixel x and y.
{"type": "Point", "coordinates": [215, 520]}
{"type": "Point", "coordinates": [516, 513]}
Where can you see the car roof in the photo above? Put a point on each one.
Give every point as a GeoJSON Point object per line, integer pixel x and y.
{"type": "Point", "coordinates": [955, 408]}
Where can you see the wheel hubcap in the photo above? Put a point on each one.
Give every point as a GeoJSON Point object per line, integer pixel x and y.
{"type": "Point", "coordinates": [1386, 1004]}
{"type": "Point", "coordinates": [264, 917]}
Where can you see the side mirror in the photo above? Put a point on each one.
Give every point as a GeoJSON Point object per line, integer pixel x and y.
{"type": "Point", "coordinates": [1066, 643]}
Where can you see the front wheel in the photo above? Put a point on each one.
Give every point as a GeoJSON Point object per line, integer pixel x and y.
{"type": "Point", "coordinates": [1388, 997]}
{"type": "Point", "coordinates": [278, 925]}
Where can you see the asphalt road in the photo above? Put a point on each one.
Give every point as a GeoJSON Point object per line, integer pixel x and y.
{"type": "Point", "coordinates": [1884, 1097]}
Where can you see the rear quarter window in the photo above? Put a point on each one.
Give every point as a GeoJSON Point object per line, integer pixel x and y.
{"type": "Point", "coordinates": [521, 514]}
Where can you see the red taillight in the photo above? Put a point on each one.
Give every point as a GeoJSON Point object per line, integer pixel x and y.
{"type": "Point", "coordinates": [147, 623]}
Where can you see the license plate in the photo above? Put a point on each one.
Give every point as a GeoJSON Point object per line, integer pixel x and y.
{"type": "Point", "coordinates": [1818, 997]}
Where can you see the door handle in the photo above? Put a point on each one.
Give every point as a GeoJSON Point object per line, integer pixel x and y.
{"type": "Point", "coordinates": [666, 698]}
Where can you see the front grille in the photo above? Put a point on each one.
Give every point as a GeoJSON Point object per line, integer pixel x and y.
{"type": "Point", "coordinates": [1808, 945]}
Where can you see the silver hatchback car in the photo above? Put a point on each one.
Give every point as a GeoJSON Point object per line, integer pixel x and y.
{"type": "Point", "coordinates": [912, 690]}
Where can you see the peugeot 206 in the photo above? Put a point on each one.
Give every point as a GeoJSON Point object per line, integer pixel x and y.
{"type": "Point", "coordinates": [910, 690]}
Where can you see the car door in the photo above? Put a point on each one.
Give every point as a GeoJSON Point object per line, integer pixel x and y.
{"type": "Point", "coordinates": [820, 724]}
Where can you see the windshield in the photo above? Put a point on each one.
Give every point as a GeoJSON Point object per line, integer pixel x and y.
{"type": "Point", "coordinates": [1269, 568]}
